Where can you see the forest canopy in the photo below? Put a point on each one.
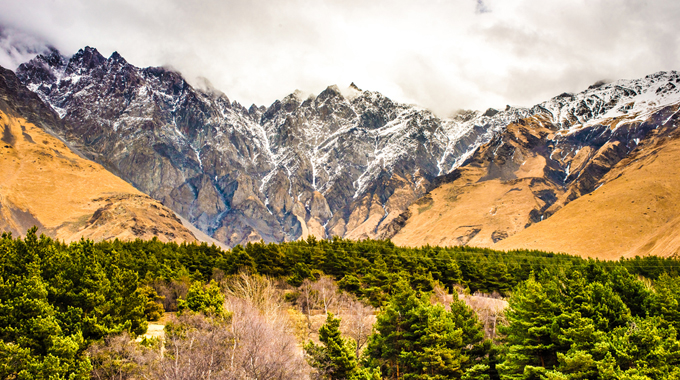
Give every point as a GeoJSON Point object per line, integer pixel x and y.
{"type": "Point", "coordinates": [568, 317]}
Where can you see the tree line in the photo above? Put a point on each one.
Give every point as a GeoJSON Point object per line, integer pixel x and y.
{"type": "Point", "coordinates": [365, 267]}
{"type": "Point", "coordinates": [64, 306]}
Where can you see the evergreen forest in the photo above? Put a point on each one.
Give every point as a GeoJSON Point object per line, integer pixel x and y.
{"type": "Point", "coordinates": [331, 309]}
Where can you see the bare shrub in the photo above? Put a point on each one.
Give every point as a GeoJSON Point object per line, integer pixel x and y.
{"type": "Point", "coordinates": [441, 295]}
{"type": "Point", "coordinates": [489, 309]}
{"type": "Point", "coordinates": [253, 344]}
{"type": "Point", "coordinates": [327, 292]}
{"type": "Point", "coordinates": [119, 357]}
{"type": "Point", "coordinates": [308, 300]}
{"type": "Point", "coordinates": [262, 347]}
{"type": "Point", "coordinates": [249, 347]}
{"type": "Point", "coordinates": [196, 347]}
{"type": "Point", "coordinates": [258, 291]}
{"type": "Point", "coordinates": [357, 321]}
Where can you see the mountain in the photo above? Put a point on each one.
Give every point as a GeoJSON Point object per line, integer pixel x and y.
{"type": "Point", "coordinates": [44, 183]}
{"type": "Point", "coordinates": [342, 163]}
{"type": "Point", "coordinates": [592, 173]}
{"type": "Point", "coordinates": [354, 163]}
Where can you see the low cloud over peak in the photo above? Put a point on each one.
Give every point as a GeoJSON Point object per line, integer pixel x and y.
{"type": "Point", "coordinates": [441, 55]}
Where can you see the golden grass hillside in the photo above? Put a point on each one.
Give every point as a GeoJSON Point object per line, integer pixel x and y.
{"type": "Point", "coordinates": [44, 183]}
{"type": "Point", "coordinates": [635, 212]}
{"type": "Point", "coordinates": [604, 200]}
{"type": "Point", "coordinates": [477, 210]}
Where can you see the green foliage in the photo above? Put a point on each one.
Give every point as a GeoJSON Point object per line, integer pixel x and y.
{"type": "Point", "coordinates": [646, 347]}
{"type": "Point", "coordinates": [153, 310]}
{"type": "Point", "coordinates": [301, 272]}
{"type": "Point", "coordinates": [335, 358]}
{"type": "Point", "coordinates": [350, 283]}
{"type": "Point", "coordinates": [242, 261]}
{"type": "Point", "coordinates": [363, 373]}
{"type": "Point", "coordinates": [414, 339]}
{"type": "Point", "coordinates": [370, 268]}
{"type": "Point", "coordinates": [577, 326]}
{"type": "Point", "coordinates": [43, 327]}
{"type": "Point", "coordinates": [665, 302]}
{"type": "Point", "coordinates": [206, 299]}
{"type": "Point", "coordinates": [569, 318]}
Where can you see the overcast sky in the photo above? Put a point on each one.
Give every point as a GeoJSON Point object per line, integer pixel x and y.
{"type": "Point", "coordinates": [443, 55]}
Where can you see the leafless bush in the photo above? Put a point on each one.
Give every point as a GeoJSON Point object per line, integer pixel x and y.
{"type": "Point", "coordinates": [119, 357]}
{"type": "Point", "coordinates": [441, 295]}
{"type": "Point", "coordinates": [308, 300]}
{"type": "Point", "coordinates": [196, 347]}
{"type": "Point", "coordinates": [489, 309]}
{"type": "Point", "coordinates": [327, 294]}
{"type": "Point", "coordinates": [357, 321]}
{"type": "Point", "coordinates": [250, 346]}
{"type": "Point", "coordinates": [258, 291]}
{"type": "Point", "coordinates": [263, 348]}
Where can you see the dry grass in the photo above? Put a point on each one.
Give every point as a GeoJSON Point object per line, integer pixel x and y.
{"type": "Point", "coordinates": [43, 180]}
{"type": "Point", "coordinates": [469, 211]}
{"type": "Point", "coordinates": [637, 212]}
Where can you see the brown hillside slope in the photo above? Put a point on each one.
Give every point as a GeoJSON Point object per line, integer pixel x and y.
{"type": "Point", "coordinates": [491, 199]}
{"type": "Point", "coordinates": [605, 190]}
{"type": "Point", "coordinates": [44, 183]}
{"type": "Point", "coordinates": [635, 212]}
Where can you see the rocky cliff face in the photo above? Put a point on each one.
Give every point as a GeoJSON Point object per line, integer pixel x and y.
{"type": "Point", "coordinates": [571, 146]}
{"type": "Point", "coordinates": [343, 163]}
{"type": "Point", "coordinates": [44, 183]}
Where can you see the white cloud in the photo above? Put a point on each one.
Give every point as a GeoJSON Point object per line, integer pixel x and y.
{"type": "Point", "coordinates": [444, 55]}
{"type": "Point", "coordinates": [17, 47]}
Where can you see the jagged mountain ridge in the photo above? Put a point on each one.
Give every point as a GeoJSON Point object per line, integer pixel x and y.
{"type": "Point", "coordinates": [327, 165]}
{"type": "Point", "coordinates": [344, 163]}
{"type": "Point", "coordinates": [539, 165]}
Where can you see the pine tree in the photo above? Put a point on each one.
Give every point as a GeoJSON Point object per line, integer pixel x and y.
{"type": "Point", "coordinates": [528, 335]}
{"type": "Point", "coordinates": [647, 348]}
{"type": "Point", "coordinates": [153, 310]}
{"type": "Point", "coordinates": [666, 300]}
{"type": "Point", "coordinates": [385, 346]}
{"type": "Point", "coordinates": [335, 359]}
{"type": "Point", "coordinates": [208, 299]}
{"type": "Point", "coordinates": [475, 346]}
{"type": "Point", "coordinates": [414, 339]}
{"type": "Point", "coordinates": [448, 268]}
{"type": "Point", "coordinates": [32, 342]}
{"type": "Point", "coordinates": [241, 261]}
{"type": "Point", "coordinates": [596, 301]}
{"type": "Point", "coordinates": [434, 349]}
